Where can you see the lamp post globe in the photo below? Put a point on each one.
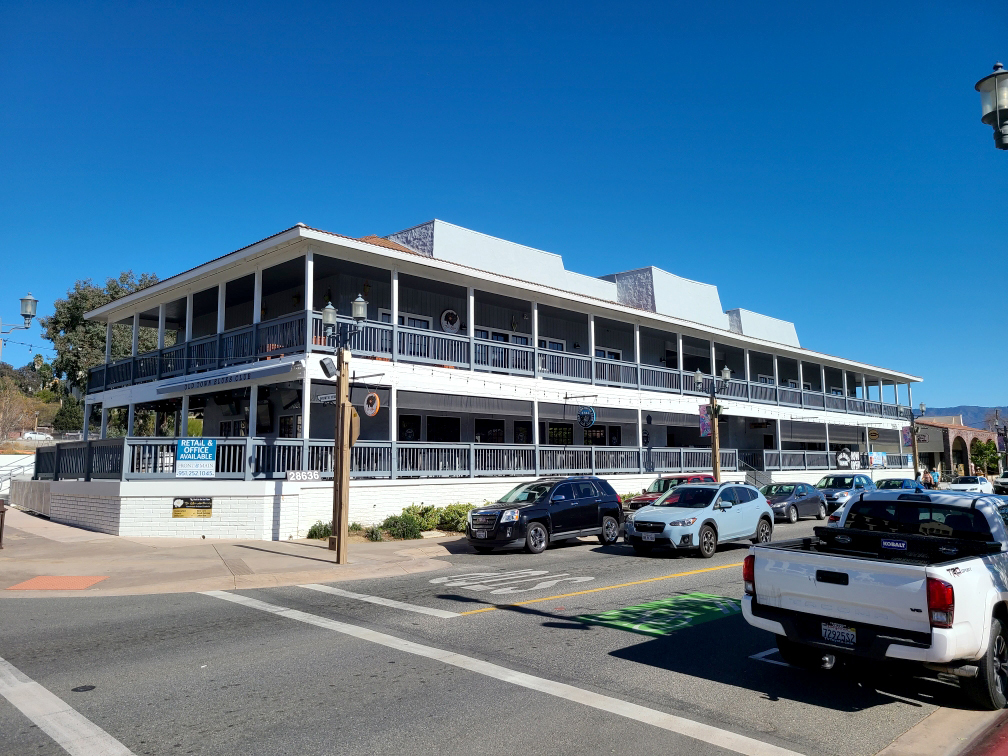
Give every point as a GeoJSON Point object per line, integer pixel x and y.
{"type": "Point", "coordinates": [993, 89]}
{"type": "Point", "coordinates": [726, 374]}
{"type": "Point", "coordinates": [923, 408]}
{"type": "Point", "coordinates": [28, 307]}
{"type": "Point", "coordinates": [698, 380]}
{"type": "Point", "coordinates": [329, 316]}
{"type": "Point", "coordinates": [359, 309]}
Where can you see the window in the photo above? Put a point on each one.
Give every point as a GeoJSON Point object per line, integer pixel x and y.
{"type": "Point", "coordinates": [481, 333]}
{"type": "Point", "coordinates": [554, 345]}
{"type": "Point", "coordinates": [523, 432]}
{"type": "Point", "coordinates": [792, 383]}
{"type": "Point", "coordinates": [918, 518]}
{"type": "Point", "coordinates": [584, 490]}
{"type": "Point", "coordinates": [563, 492]}
{"type": "Point", "coordinates": [806, 386]}
{"type": "Point", "coordinates": [290, 426]}
{"type": "Point", "coordinates": [744, 494]}
{"type": "Point", "coordinates": [561, 434]}
{"type": "Point", "coordinates": [525, 492]}
{"type": "Point", "coordinates": [385, 316]}
{"type": "Point", "coordinates": [615, 435]}
{"type": "Point", "coordinates": [778, 489]}
{"type": "Point", "coordinates": [489, 431]}
{"type": "Point", "coordinates": [444, 430]}
{"type": "Point", "coordinates": [595, 436]}
{"type": "Point", "coordinates": [608, 354]}
{"type": "Point", "coordinates": [836, 391]}
{"type": "Point", "coordinates": [728, 495]}
{"type": "Point", "coordinates": [768, 379]}
{"type": "Point", "coordinates": [409, 427]}
{"type": "Point", "coordinates": [523, 340]}
{"type": "Point", "coordinates": [694, 498]}
{"type": "Point", "coordinates": [500, 337]}
{"type": "Point", "coordinates": [414, 321]}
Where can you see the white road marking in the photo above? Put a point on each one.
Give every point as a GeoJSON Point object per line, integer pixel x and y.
{"type": "Point", "coordinates": [381, 601]}
{"type": "Point", "coordinates": [762, 656]}
{"type": "Point", "coordinates": [639, 714]}
{"type": "Point", "coordinates": [498, 583]}
{"type": "Point", "coordinates": [74, 733]}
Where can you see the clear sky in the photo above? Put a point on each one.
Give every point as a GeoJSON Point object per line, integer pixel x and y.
{"type": "Point", "coordinates": [819, 162]}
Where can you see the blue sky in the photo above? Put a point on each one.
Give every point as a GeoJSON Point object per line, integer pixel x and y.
{"type": "Point", "coordinates": [822, 163]}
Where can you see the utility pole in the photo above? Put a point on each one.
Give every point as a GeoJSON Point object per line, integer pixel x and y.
{"type": "Point", "coordinates": [341, 460]}
{"type": "Point", "coordinates": [715, 410]}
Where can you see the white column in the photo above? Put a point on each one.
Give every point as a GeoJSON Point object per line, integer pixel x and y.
{"type": "Point", "coordinates": [591, 337]}
{"type": "Point", "coordinates": [257, 296]}
{"type": "Point", "coordinates": [160, 325]}
{"type": "Point", "coordinates": [108, 341]}
{"type": "Point", "coordinates": [306, 405]}
{"type": "Point", "coordinates": [822, 379]}
{"type": "Point", "coordinates": [130, 417]}
{"type": "Point", "coordinates": [184, 430]}
{"type": "Point", "coordinates": [827, 443]}
{"type": "Point", "coordinates": [748, 377]}
{"type": "Point", "coordinates": [395, 316]}
{"type": "Point", "coordinates": [253, 408]}
{"type": "Point", "coordinates": [471, 325]}
{"type": "Point", "coordinates": [535, 347]}
{"type": "Point", "coordinates": [780, 444]}
{"type": "Point", "coordinates": [864, 388]}
{"type": "Point", "coordinates": [309, 303]}
{"type": "Point", "coordinates": [843, 376]}
{"type": "Point", "coordinates": [104, 422]}
{"type": "Point", "coordinates": [221, 299]}
{"type": "Point", "coordinates": [801, 377]}
{"type": "Point", "coordinates": [679, 354]}
{"type": "Point", "coordinates": [636, 343]}
{"type": "Point", "coordinates": [535, 432]}
{"type": "Point", "coordinates": [881, 390]}
{"type": "Point", "coordinates": [188, 317]}
{"type": "Point", "coordinates": [135, 347]}
{"type": "Point", "coordinates": [392, 412]}
{"type": "Point", "coordinates": [640, 428]}
{"type": "Point", "coordinates": [713, 360]}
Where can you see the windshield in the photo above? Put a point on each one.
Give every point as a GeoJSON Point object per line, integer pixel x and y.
{"type": "Point", "coordinates": [836, 481]}
{"type": "Point", "coordinates": [779, 489]}
{"type": "Point", "coordinates": [967, 479]}
{"type": "Point", "coordinates": [891, 483]}
{"type": "Point", "coordinates": [694, 498]}
{"type": "Point", "coordinates": [663, 484]}
{"type": "Point", "coordinates": [526, 492]}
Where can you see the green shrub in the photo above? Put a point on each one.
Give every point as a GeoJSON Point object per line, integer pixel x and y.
{"type": "Point", "coordinates": [373, 533]}
{"type": "Point", "coordinates": [406, 526]}
{"type": "Point", "coordinates": [356, 527]}
{"type": "Point", "coordinates": [454, 517]}
{"type": "Point", "coordinates": [320, 530]}
{"type": "Point", "coordinates": [429, 516]}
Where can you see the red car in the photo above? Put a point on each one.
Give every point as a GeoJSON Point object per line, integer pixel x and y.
{"type": "Point", "coordinates": [662, 485]}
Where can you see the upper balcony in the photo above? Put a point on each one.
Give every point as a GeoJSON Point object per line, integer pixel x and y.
{"type": "Point", "coordinates": [267, 312]}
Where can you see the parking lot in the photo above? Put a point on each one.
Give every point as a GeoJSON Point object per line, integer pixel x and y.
{"type": "Point", "coordinates": [583, 648]}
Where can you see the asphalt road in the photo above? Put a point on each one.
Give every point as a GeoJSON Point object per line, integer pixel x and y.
{"type": "Point", "coordinates": [194, 673]}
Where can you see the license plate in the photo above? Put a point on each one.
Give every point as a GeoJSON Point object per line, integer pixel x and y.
{"type": "Point", "coordinates": [480, 533]}
{"type": "Point", "coordinates": [842, 635]}
{"type": "Point", "coordinates": [647, 536]}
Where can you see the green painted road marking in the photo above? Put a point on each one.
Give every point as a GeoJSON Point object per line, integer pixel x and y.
{"type": "Point", "coordinates": [665, 616]}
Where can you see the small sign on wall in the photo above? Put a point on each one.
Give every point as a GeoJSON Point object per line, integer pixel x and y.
{"type": "Point", "coordinates": [300, 476]}
{"type": "Point", "coordinates": [196, 458]}
{"type": "Point", "coordinates": [192, 506]}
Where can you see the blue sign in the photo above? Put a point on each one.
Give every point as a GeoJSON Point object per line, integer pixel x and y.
{"type": "Point", "coordinates": [892, 543]}
{"type": "Point", "coordinates": [586, 417]}
{"type": "Point", "coordinates": [196, 458]}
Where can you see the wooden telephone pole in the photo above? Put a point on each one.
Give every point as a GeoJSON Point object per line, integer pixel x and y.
{"type": "Point", "coordinates": [715, 410]}
{"type": "Point", "coordinates": [347, 429]}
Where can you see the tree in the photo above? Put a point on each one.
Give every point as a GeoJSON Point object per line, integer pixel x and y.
{"type": "Point", "coordinates": [70, 416]}
{"type": "Point", "coordinates": [984, 455]}
{"type": "Point", "coordinates": [17, 412]}
{"type": "Point", "coordinates": [80, 344]}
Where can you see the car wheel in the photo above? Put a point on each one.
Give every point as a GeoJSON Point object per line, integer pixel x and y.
{"type": "Point", "coordinates": [792, 514]}
{"type": "Point", "coordinates": [821, 514]}
{"type": "Point", "coordinates": [796, 654]}
{"type": "Point", "coordinates": [990, 686]}
{"type": "Point", "coordinates": [642, 549]}
{"type": "Point", "coordinates": [610, 531]}
{"type": "Point", "coordinates": [536, 538]}
{"type": "Point", "coordinates": [763, 531]}
{"type": "Point", "coordinates": [708, 541]}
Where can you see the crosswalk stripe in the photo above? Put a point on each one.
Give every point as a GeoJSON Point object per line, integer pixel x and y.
{"type": "Point", "coordinates": [381, 601]}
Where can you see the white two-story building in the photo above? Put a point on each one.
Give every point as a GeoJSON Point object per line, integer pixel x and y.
{"type": "Point", "coordinates": [481, 352]}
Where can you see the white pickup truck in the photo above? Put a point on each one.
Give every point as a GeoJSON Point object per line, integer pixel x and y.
{"type": "Point", "coordinates": [914, 576]}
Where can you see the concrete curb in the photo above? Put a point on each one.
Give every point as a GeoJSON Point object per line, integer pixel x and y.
{"type": "Point", "coordinates": [944, 732]}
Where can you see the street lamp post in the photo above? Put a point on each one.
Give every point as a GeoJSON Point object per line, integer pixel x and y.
{"type": "Point", "coordinates": [343, 433]}
{"type": "Point", "coordinates": [28, 307]}
{"type": "Point", "coordinates": [715, 413]}
{"type": "Point", "coordinates": [913, 438]}
{"type": "Point", "coordinates": [993, 89]}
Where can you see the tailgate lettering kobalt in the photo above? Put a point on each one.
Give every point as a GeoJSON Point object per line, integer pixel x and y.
{"type": "Point", "coordinates": [893, 543]}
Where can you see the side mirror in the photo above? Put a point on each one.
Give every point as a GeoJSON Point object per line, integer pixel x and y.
{"type": "Point", "coordinates": [724, 504]}
{"type": "Point", "coordinates": [558, 497]}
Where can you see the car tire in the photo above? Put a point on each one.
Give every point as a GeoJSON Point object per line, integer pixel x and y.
{"type": "Point", "coordinates": [536, 538]}
{"type": "Point", "coordinates": [610, 531]}
{"type": "Point", "coordinates": [764, 531]}
{"type": "Point", "coordinates": [821, 513]}
{"type": "Point", "coordinates": [642, 549]}
{"type": "Point", "coordinates": [707, 538]}
{"type": "Point", "coordinates": [792, 514]}
{"type": "Point", "coordinates": [989, 688]}
{"type": "Point", "coordinates": [796, 654]}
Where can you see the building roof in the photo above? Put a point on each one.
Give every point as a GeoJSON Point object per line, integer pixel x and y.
{"type": "Point", "coordinates": [942, 423]}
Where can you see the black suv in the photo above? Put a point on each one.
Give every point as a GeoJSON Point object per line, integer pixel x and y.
{"type": "Point", "coordinates": [548, 509]}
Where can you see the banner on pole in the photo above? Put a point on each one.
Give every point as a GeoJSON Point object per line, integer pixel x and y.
{"type": "Point", "coordinates": [907, 437]}
{"type": "Point", "coordinates": [705, 421]}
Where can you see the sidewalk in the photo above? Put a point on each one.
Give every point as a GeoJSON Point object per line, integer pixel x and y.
{"type": "Point", "coordinates": [35, 547]}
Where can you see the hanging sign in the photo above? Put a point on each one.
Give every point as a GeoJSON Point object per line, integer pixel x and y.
{"type": "Point", "coordinates": [877, 459]}
{"type": "Point", "coordinates": [328, 398]}
{"type": "Point", "coordinates": [450, 321]}
{"type": "Point", "coordinates": [196, 458]}
{"type": "Point", "coordinates": [907, 433]}
{"type": "Point", "coordinates": [586, 417]}
{"type": "Point", "coordinates": [371, 404]}
{"type": "Point", "coordinates": [873, 435]}
{"type": "Point", "coordinates": [843, 459]}
{"type": "Point", "coordinates": [705, 421]}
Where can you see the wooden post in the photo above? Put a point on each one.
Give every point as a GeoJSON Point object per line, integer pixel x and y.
{"type": "Point", "coordinates": [341, 462]}
{"type": "Point", "coordinates": [715, 439]}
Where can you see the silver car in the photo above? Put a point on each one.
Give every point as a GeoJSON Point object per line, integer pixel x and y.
{"type": "Point", "coordinates": [839, 489]}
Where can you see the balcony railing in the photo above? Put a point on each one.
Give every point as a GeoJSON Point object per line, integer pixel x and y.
{"type": "Point", "coordinates": [287, 335]}
{"type": "Point", "coordinates": [257, 458]}
{"type": "Point", "coordinates": [815, 460]}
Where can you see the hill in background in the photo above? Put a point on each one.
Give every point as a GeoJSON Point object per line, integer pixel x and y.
{"type": "Point", "coordinates": [972, 416]}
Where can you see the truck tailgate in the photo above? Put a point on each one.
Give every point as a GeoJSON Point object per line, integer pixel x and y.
{"type": "Point", "coordinates": [883, 593]}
